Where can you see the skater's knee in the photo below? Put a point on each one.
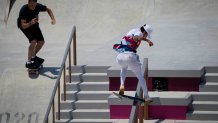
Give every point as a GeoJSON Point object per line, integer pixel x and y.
{"type": "Point", "coordinates": [41, 43]}
{"type": "Point", "coordinates": [33, 42]}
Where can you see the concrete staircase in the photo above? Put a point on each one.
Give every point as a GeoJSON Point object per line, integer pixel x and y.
{"type": "Point", "coordinates": [86, 98]}
{"type": "Point", "coordinates": [205, 102]}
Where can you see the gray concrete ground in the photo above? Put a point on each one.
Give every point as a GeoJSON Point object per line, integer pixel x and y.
{"type": "Point", "coordinates": [184, 38]}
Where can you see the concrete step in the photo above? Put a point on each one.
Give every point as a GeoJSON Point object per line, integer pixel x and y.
{"type": "Point", "coordinates": [70, 95]}
{"type": "Point", "coordinates": [91, 104]}
{"type": "Point", "coordinates": [93, 95]}
{"type": "Point", "coordinates": [95, 77]}
{"type": "Point", "coordinates": [65, 114]}
{"type": "Point", "coordinates": [205, 105]}
{"type": "Point", "coordinates": [77, 69]}
{"type": "Point", "coordinates": [92, 121]}
{"type": "Point", "coordinates": [209, 87]}
{"type": "Point", "coordinates": [62, 121]}
{"type": "Point", "coordinates": [202, 115]}
{"type": "Point", "coordinates": [73, 86]}
{"type": "Point", "coordinates": [91, 114]}
{"type": "Point", "coordinates": [194, 121]}
{"type": "Point", "coordinates": [211, 77]}
{"type": "Point", "coordinates": [213, 69]}
{"type": "Point", "coordinates": [205, 96]}
{"type": "Point", "coordinates": [96, 69]}
{"type": "Point", "coordinates": [87, 121]}
{"type": "Point", "coordinates": [75, 77]}
{"type": "Point", "coordinates": [68, 104]}
{"type": "Point", "coordinates": [94, 86]}
{"type": "Point", "coordinates": [87, 86]}
{"type": "Point", "coordinates": [86, 95]}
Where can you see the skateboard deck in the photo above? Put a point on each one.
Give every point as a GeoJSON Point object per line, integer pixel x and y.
{"type": "Point", "coordinates": [35, 71]}
{"type": "Point", "coordinates": [135, 99]}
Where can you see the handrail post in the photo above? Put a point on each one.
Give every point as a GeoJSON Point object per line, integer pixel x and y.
{"type": "Point", "coordinates": [64, 82]}
{"type": "Point", "coordinates": [146, 111]}
{"type": "Point", "coordinates": [141, 108]}
{"type": "Point", "coordinates": [141, 112]}
{"type": "Point", "coordinates": [53, 112]}
{"type": "Point", "coordinates": [74, 48]}
{"type": "Point", "coordinates": [69, 57]}
{"type": "Point", "coordinates": [59, 102]}
{"type": "Point", "coordinates": [146, 78]}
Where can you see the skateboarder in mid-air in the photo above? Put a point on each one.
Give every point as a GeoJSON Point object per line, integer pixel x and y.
{"type": "Point", "coordinates": [27, 22]}
{"type": "Point", "coordinates": [127, 56]}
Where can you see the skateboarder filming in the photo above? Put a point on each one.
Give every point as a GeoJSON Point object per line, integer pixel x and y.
{"type": "Point", "coordinates": [27, 22]}
{"type": "Point", "coordinates": [127, 56]}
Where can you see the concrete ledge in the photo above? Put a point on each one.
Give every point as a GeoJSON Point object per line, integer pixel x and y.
{"type": "Point", "coordinates": [115, 72]}
{"type": "Point", "coordinates": [176, 73]}
{"type": "Point", "coordinates": [165, 105]}
{"type": "Point", "coordinates": [211, 69]}
{"type": "Point", "coordinates": [169, 121]}
{"type": "Point", "coordinates": [159, 98]}
{"type": "Point", "coordinates": [195, 121]}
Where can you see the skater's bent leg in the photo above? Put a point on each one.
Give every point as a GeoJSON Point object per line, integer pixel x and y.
{"type": "Point", "coordinates": [31, 49]}
{"type": "Point", "coordinates": [123, 74]}
{"type": "Point", "coordinates": [136, 68]}
{"type": "Point", "coordinates": [122, 62]}
{"type": "Point", "coordinates": [38, 47]}
{"type": "Point", "coordinates": [142, 82]}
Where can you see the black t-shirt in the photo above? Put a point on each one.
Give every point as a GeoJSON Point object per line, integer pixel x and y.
{"type": "Point", "coordinates": [28, 15]}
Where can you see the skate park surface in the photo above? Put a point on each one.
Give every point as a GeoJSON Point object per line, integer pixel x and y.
{"type": "Point", "coordinates": [184, 36]}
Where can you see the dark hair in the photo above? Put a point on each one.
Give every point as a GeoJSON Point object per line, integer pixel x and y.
{"type": "Point", "coordinates": [142, 29]}
{"type": "Point", "coordinates": [32, 1]}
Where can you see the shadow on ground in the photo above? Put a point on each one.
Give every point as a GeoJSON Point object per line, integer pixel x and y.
{"type": "Point", "coordinates": [49, 72]}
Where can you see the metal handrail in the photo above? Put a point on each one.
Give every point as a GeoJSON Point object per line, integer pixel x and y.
{"type": "Point", "coordinates": [57, 84]}
{"type": "Point", "coordinates": [135, 107]}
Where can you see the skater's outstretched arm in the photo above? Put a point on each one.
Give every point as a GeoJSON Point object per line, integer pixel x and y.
{"type": "Point", "coordinates": [50, 13]}
{"type": "Point", "coordinates": [139, 38]}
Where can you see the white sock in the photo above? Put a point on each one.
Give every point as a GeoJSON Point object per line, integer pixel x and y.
{"type": "Point", "coordinates": [28, 62]}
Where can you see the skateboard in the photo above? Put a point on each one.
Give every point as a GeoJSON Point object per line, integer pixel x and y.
{"type": "Point", "coordinates": [35, 71]}
{"type": "Point", "coordinates": [135, 99]}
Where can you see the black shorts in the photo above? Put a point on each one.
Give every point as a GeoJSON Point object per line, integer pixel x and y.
{"type": "Point", "coordinates": [33, 33]}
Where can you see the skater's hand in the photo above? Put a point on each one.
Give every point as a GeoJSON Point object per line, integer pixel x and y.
{"type": "Point", "coordinates": [53, 21]}
{"type": "Point", "coordinates": [150, 43]}
{"type": "Point", "coordinates": [33, 21]}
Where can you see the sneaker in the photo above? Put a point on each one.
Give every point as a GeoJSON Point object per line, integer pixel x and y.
{"type": "Point", "coordinates": [37, 59]}
{"type": "Point", "coordinates": [31, 66]}
{"type": "Point", "coordinates": [149, 100]}
{"type": "Point", "coordinates": [121, 91]}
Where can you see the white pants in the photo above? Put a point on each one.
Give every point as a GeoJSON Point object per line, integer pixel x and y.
{"type": "Point", "coordinates": [131, 60]}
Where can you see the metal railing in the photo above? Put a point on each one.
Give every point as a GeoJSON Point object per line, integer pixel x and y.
{"type": "Point", "coordinates": [57, 86]}
{"type": "Point", "coordinates": [140, 111]}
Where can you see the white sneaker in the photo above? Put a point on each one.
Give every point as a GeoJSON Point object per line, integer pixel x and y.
{"type": "Point", "coordinates": [148, 99]}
